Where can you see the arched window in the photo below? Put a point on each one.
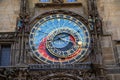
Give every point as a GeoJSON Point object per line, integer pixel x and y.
{"type": "Point", "coordinates": [44, 0]}
{"type": "Point", "coordinates": [5, 55]}
{"type": "Point", "coordinates": [71, 0]}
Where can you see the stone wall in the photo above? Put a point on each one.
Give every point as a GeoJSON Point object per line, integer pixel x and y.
{"type": "Point", "coordinates": [110, 13]}
{"type": "Point", "coordinates": [9, 10]}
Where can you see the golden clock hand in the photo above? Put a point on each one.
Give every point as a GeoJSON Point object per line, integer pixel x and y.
{"type": "Point", "coordinates": [78, 43]}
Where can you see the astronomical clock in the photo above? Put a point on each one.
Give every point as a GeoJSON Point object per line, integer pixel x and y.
{"type": "Point", "coordinates": [59, 38]}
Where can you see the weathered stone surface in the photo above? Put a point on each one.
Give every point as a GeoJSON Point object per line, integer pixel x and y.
{"type": "Point", "coordinates": [110, 11]}
{"type": "Point", "coordinates": [107, 50]}
{"type": "Point", "coordinates": [113, 76]}
{"type": "Point", "coordinates": [110, 77]}
{"type": "Point", "coordinates": [9, 10]}
{"type": "Point", "coordinates": [117, 77]}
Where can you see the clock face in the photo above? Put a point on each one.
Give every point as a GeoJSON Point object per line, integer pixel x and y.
{"type": "Point", "coordinates": [59, 38]}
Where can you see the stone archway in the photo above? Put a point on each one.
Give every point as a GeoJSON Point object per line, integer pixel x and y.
{"type": "Point", "coordinates": [61, 76]}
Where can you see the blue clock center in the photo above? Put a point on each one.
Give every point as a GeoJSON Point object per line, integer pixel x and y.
{"type": "Point", "coordinates": [61, 40]}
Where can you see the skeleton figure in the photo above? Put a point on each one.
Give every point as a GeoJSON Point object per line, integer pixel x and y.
{"type": "Point", "coordinates": [91, 22]}
{"type": "Point", "coordinates": [98, 21]}
{"type": "Point", "coordinates": [20, 23]}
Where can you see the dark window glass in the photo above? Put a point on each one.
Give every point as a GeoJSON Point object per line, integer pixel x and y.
{"type": "Point", "coordinates": [5, 55]}
{"type": "Point", "coordinates": [118, 53]}
{"type": "Point", "coordinates": [44, 0]}
{"type": "Point", "coordinates": [71, 0]}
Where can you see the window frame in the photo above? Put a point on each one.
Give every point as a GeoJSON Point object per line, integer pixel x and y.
{"type": "Point", "coordinates": [71, 1]}
{"type": "Point", "coordinates": [49, 1]}
{"type": "Point", "coordinates": [5, 44]}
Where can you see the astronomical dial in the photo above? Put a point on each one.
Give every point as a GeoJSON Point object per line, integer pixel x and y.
{"type": "Point", "coordinates": [63, 42]}
{"type": "Point", "coordinates": [59, 38]}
